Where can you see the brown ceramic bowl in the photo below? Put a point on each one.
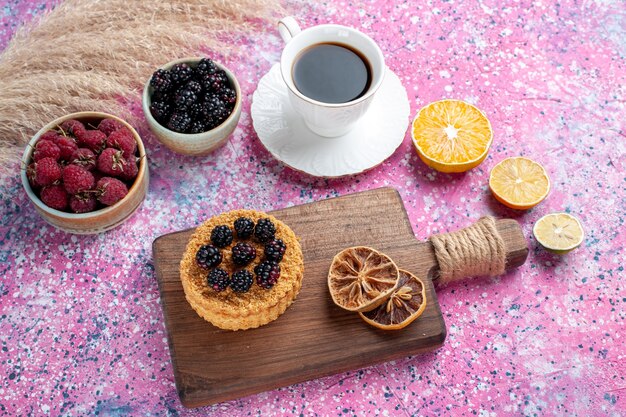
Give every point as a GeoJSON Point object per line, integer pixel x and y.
{"type": "Point", "coordinates": [100, 220]}
{"type": "Point", "coordinates": [197, 143]}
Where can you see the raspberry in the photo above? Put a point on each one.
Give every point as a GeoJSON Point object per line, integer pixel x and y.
{"type": "Point", "coordinates": [218, 279]}
{"type": "Point", "coordinates": [264, 230]}
{"type": "Point", "coordinates": [47, 171]}
{"type": "Point", "coordinates": [275, 250]}
{"type": "Point", "coordinates": [130, 170]}
{"type": "Point", "coordinates": [243, 254]}
{"type": "Point", "coordinates": [77, 179]}
{"type": "Point", "coordinates": [84, 157]}
{"type": "Point", "coordinates": [111, 162]}
{"type": "Point", "coordinates": [179, 122]}
{"type": "Point", "coordinates": [110, 190]}
{"type": "Point", "coordinates": [208, 256]}
{"type": "Point", "coordinates": [83, 203]}
{"type": "Point", "coordinates": [244, 227]}
{"type": "Point", "coordinates": [241, 281]}
{"type": "Point", "coordinates": [221, 236]}
{"type": "Point", "coordinates": [50, 135]}
{"type": "Point", "coordinates": [123, 140]}
{"type": "Point", "coordinates": [267, 274]}
{"type": "Point", "coordinates": [108, 126]}
{"type": "Point", "coordinates": [161, 80]}
{"type": "Point", "coordinates": [54, 196]}
{"type": "Point", "coordinates": [73, 128]}
{"type": "Point", "coordinates": [67, 146]}
{"type": "Point", "coordinates": [46, 149]}
{"type": "Point", "coordinates": [93, 139]}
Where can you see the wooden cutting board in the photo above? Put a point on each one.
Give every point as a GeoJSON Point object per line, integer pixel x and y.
{"type": "Point", "coordinates": [313, 338]}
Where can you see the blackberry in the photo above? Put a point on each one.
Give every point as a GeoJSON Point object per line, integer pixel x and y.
{"type": "Point", "coordinates": [241, 281]}
{"type": "Point", "coordinates": [208, 256]}
{"type": "Point", "coordinates": [161, 111]}
{"type": "Point", "coordinates": [267, 274]}
{"type": "Point", "coordinates": [218, 279]}
{"type": "Point", "coordinates": [194, 86]}
{"type": "Point", "coordinates": [179, 122]}
{"type": "Point", "coordinates": [221, 236]}
{"type": "Point", "coordinates": [264, 230]}
{"type": "Point", "coordinates": [206, 67]}
{"type": "Point", "coordinates": [185, 98]}
{"type": "Point", "coordinates": [244, 227]}
{"type": "Point", "coordinates": [275, 250]}
{"type": "Point", "coordinates": [197, 126]}
{"type": "Point", "coordinates": [197, 110]}
{"type": "Point", "coordinates": [161, 80]}
{"type": "Point", "coordinates": [243, 254]}
{"type": "Point", "coordinates": [163, 96]}
{"type": "Point", "coordinates": [213, 100]}
{"type": "Point", "coordinates": [229, 97]}
{"type": "Point", "coordinates": [181, 73]}
{"type": "Point", "coordinates": [212, 122]}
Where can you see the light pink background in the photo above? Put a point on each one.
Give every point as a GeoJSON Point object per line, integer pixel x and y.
{"type": "Point", "coordinates": [81, 327]}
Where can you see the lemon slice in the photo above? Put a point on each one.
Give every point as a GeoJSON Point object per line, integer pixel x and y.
{"type": "Point", "coordinates": [519, 183]}
{"type": "Point", "coordinates": [361, 278]}
{"type": "Point", "coordinates": [451, 135]}
{"type": "Point", "coordinates": [406, 303]}
{"type": "Point", "coordinates": [559, 232]}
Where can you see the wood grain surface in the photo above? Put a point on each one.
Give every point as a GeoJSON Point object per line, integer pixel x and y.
{"type": "Point", "coordinates": [313, 338]}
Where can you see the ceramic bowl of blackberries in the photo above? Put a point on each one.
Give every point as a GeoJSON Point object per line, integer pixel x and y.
{"type": "Point", "coordinates": [192, 105]}
{"type": "Point", "coordinates": [86, 172]}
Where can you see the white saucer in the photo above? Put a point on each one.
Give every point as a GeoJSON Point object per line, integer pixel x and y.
{"type": "Point", "coordinates": [283, 132]}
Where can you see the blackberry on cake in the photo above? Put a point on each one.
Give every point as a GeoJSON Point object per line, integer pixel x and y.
{"type": "Point", "coordinates": [242, 281]}
{"type": "Point", "coordinates": [218, 279]}
{"type": "Point", "coordinates": [264, 230]}
{"type": "Point", "coordinates": [267, 274]}
{"type": "Point", "coordinates": [244, 227]}
{"type": "Point", "coordinates": [243, 254]}
{"type": "Point", "coordinates": [222, 236]}
{"type": "Point", "coordinates": [275, 250]}
{"type": "Point", "coordinates": [208, 256]}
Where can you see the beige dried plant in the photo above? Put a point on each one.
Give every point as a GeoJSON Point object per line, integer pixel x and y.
{"type": "Point", "coordinates": [94, 55]}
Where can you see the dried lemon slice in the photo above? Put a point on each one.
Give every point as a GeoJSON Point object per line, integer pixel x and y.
{"type": "Point", "coordinates": [406, 303]}
{"type": "Point", "coordinates": [559, 232]}
{"type": "Point", "coordinates": [519, 183]}
{"type": "Point", "coordinates": [361, 278]}
{"type": "Point", "coordinates": [451, 135]}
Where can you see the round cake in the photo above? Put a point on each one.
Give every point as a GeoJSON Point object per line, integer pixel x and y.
{"type": "Point", "coordinates": [218, 298]}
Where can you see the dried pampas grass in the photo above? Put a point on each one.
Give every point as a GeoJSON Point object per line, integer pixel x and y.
{"type": "Point", "coordinates": [91, 55]}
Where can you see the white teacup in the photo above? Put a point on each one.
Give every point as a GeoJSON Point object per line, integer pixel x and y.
{"type": "Point", "coordinates": [328, 119]}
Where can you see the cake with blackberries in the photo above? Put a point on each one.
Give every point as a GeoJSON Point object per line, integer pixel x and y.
{"type": "Point", "coordinates": [242, 269]}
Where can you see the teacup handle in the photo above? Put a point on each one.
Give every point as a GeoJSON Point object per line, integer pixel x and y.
{"type": "Point", "coordinates": [288, 27]}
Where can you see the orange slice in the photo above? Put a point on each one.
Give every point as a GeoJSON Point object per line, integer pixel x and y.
{"type": "Point", "coordinates": [406, 303]}
{"type": "Point", "coordinates": [361, 278]}
{"type": "Point", "coordinates": [519, 183]}
{"type": "Point", "coordinates": [451, 135]}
